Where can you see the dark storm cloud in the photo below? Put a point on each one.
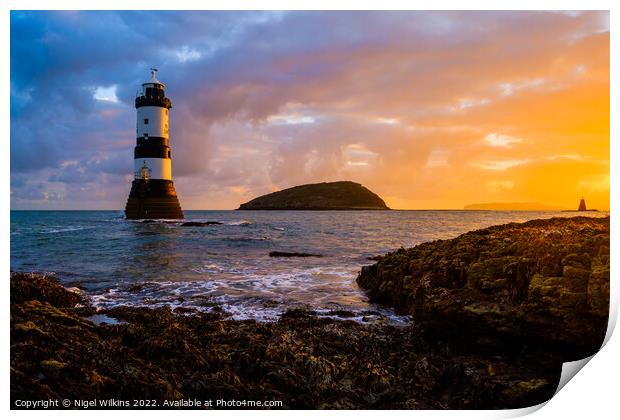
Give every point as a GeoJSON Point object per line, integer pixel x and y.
{"type": "Point", "coordinates": [265, 100]}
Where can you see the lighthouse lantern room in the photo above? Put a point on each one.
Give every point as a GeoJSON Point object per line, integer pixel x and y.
{"type": "Point", "coordinates": [152, 194]}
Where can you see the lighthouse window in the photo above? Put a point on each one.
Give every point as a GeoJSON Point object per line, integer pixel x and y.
{"type": "Point", "coordinates": [168, 153]}
{"type": "Point", "coordinates": [146, 121]}
{"type": "Point", "coordinates": [146, 135]}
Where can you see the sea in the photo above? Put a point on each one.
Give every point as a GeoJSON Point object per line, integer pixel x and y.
{"type": "Point", "coordinates": [226, 267]}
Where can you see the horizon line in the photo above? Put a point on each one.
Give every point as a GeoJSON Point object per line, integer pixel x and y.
{"type": "Point", "coordinates": [338, 210]}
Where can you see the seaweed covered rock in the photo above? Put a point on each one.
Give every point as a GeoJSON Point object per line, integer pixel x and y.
{"type": "Point", "coordinates": [303, 361]}
{"type": "Point", "coordinates": [545, 282]}
{"type": "Point", "coordinates": [283, 254]}
{"type": "Point", "coordinates": [197, 223]}
{"type": "Point", "coordinates": [43, 287]}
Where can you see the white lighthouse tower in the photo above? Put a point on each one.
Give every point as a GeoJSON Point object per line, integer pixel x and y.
{"type": "Point", "coordinates": [152, 194]}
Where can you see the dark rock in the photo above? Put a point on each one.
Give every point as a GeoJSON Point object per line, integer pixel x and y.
{"type": "Point", "coordinates": [341, 313]}
{"type": "Point", "coordinates": [303, 360]}
{"type": "Point", "coordinates": [342, 195]}
{"type": "Point", "coordinates": [544, 282]}
{"type": "Point", "coordinates": [292, 254]}
{"type": "Point", "coordinates": [208, 223]}
{"type": "Point", "coordinates": [598, 289]}
{"type": "Point", "coordinates": [295, 313]}
{"type": "Point", "coordinates": [42, 287]}
{"type": "Point", "coordinates": [137, 287]}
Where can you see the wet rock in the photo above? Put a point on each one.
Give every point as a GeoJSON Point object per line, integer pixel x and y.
{"type": "Point", "coordinates": [598, 290]}
{"type": "Point", "coordinates": [281, 254]}
{"type": "Point", "coordinates": [53, 367]}
{"type": "Point", "coordinates": [303, 360]}
{"type": "Point", "coordinates": [341, 313]}
{"type": "Point", "coordinates": [544, 282]}
{"type": "Point", "coordinates": [295, 313]}
{"type": "Point", "coordinates": [198, 224]}
{"type": "Point", "coordinates": [43, 287]}
{"type": "Point", "coordinates": [137, 287]}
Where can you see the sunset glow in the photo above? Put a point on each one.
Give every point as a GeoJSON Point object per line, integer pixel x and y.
{"type": "Point", "coordinates": [429, 110]}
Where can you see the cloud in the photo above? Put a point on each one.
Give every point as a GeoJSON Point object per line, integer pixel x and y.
{"type": "Point", "coordinates": [500, 140]}
{"type": "Point", "coordinates": [106, 93]}
{"type": "Point", "coordinates": [264, 100]}
{"type": "Point", "coordinates": [186, 54]}
{"type": "Point", "coordinates": [498, 165]}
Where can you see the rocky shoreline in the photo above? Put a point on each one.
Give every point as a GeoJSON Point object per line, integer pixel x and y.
{"type": "Point", "coordinates": [543, 282]}
{"type": "Point", "coordinates": [496, 312]}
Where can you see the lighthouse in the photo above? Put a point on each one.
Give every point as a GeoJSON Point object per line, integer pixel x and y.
{"type": "Point", "coordinates": [152, 194]}
{"type": "Point", "coordinates": [582, 205]}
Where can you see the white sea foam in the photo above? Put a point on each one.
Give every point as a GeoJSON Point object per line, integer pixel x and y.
{"type": "Point", "coordinates": [239, 223]}
{"type": "Point", "coordinates": [252, 294]}
{"type": "Point", "coordinates": [67, 229]}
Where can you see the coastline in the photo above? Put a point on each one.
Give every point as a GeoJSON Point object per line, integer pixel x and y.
{"type": "Point", "coordinates": [545, 281]}
{"type": "Point", "coordinates": [441, 360]}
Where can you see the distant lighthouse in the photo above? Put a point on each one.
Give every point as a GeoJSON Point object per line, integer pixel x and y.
{"type": "Point", "coordinates": [582, 205]}
{"type": "Point", "coordinates": [152, 194]}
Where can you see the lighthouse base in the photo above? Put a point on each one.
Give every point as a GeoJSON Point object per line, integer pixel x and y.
{"type": "Point", "coordinates": [153, 199]}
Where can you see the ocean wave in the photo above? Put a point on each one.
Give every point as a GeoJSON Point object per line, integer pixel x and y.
{"type": "Point", "coordinates": [239, 223]}
{"type": "Point", "coordinates": [252, 294]}
{"type": "Point", "coordinates": [146, 221]}
{"type": "Point", "coordinates": [222, 269]}
{"type": "Point", "coordinates": [241, 308]}
{"type": "Point", "coordinates": [67, 229]}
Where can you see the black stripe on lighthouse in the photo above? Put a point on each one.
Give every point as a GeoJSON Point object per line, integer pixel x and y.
{"type": "Point", "coordinates": [152, 151]}
{"type": "Point", "coordinates": [152, 141]}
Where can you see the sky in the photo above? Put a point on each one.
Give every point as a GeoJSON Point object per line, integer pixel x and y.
{"type": "Point", "coordinates": [430, 110]}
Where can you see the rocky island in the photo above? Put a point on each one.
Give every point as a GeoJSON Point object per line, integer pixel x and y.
{"type": "Point", "coordinates": [341, 195]}
{"type": "Point", "coordinates": [495, 314]}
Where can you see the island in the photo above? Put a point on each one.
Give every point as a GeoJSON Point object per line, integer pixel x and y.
{"type": "Point", "coordinates": [341, 195]}
{"type": "Point", "coordinates": [511, 207]}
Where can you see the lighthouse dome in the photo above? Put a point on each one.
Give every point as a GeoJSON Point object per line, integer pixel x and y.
{"type": "Point", "coordinates": [153, 82]}
{"type": "Point", "coordinates": [153, 93]}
